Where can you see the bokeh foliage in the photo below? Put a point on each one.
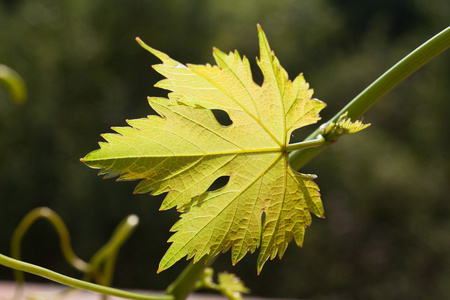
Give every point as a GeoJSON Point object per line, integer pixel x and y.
{"type": "Point", "coordinates": [387, 229]}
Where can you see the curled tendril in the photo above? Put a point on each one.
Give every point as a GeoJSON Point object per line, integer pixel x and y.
{"type": "Point", "coordinates": [105, 257]}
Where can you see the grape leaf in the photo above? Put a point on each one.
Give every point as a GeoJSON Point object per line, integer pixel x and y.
{"type": "Point", "coordinates": [231, 286]}
{"type": "Point", "coordinates": [183, 150]}
{"type": "Point", "coordinates": [227, 284]}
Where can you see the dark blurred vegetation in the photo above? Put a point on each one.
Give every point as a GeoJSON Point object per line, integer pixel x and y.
{"type": "Point", "coordinates": [387, 229]}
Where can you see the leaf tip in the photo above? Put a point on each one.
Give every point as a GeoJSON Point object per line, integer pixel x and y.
{"type": "Point", "coordinates": [165, 59]}
{"type": "Point", "coordinates": [260, 264]}
{"type": "Point", "coordinates": [261, 32]}
{"type": "Point", "coordinates": [258, 270]}
{"type": "Point", "coordinates": [143, 45]}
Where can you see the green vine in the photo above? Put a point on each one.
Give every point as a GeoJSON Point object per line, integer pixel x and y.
{"type": "Point", "coordinates": [391, 78]}
{"type": "Point", "coordinates": [106, 256]}
{"type": "Point", "coordinates": [13, 83]}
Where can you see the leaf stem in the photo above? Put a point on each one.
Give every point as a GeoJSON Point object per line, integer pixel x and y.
{"type": "Point", "coordinates": [76, 283]}
{"type": "Point", "coordinates": [361, 103]}
{"type": "Point", "coordinates": [185, 282]}
{"type": "Point", "coordinates": [317, 141]}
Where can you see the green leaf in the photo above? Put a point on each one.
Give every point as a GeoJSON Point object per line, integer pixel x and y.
{"type": "Point", "coordinates": [343, 126]}
{"type": "Point", "coordinates": [346, 126]}
{"type": "Point", "coordinates": [183, 150]}
{"type": "Point", "coordinates": [228, 284]}
{"type": "Point", "coordinates": [231, 286]}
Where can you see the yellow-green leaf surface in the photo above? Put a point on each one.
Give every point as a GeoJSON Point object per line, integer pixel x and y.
{"type": "Point", "coordinates": [183, 150]}
{"type": "Point", "coordinates": [231, 286]}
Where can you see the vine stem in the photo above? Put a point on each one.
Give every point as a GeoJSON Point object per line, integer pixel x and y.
{"type": "Point", "coordinates": [69, 281]}
{"type": "Point", "coordinates": [185, 282]}
{"type": "Point", "coordinates": [361, 103]}
{"type": "Point", "coordinates": [13, 83]}
{"type": "Point", "coordinates": [106, 254]}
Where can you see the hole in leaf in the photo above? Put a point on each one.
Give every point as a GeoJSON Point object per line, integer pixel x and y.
{"type": "Point", "coordinates": [219, 183]}
{"type": "Point", "coordinates": [222, 117]}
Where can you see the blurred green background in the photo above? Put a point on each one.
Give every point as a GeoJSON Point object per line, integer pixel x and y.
{"type": "Point", "coordinates": [387, 229]}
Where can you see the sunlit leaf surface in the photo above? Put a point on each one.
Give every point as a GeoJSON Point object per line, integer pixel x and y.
{"type": "Point", "coordinates": [184, 149]}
